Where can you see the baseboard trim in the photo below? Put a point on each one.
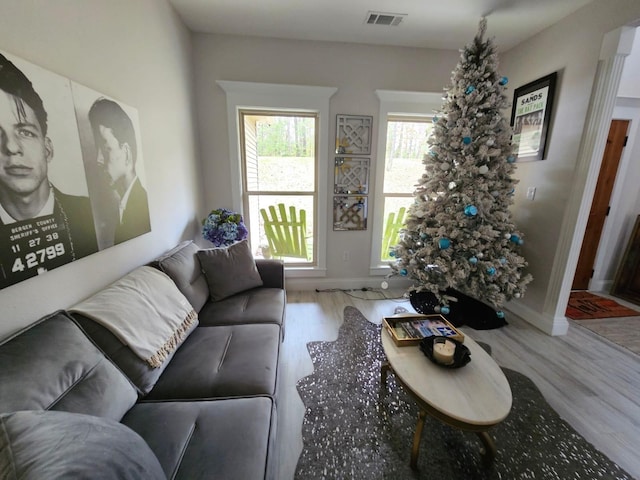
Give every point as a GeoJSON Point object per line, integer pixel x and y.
{"type": "Point", "coordinates": [548, 324]}
{"type": "Point", "coordinates": [293, 283]}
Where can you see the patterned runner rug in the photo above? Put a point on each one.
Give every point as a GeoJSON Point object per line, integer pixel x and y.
{"type": "Point", "coordinates": [585, 305]}
{"type": "Point", "coordinates": [355, 429]}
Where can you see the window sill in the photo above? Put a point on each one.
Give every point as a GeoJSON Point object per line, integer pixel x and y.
{"type": "Point", "coordinates": [302, 272]}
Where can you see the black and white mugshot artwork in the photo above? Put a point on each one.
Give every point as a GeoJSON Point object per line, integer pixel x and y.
{"type": "Point", "coordinates": [46, 218]}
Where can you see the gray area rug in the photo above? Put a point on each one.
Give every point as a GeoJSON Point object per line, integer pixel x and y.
{"type": "Point", "coordinates": [354, 429]}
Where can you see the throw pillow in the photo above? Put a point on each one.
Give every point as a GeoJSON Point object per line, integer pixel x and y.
{"type": "Point", "coordinates": [50, 444]}
{"type": "Point", "coordinates": [229, 270]}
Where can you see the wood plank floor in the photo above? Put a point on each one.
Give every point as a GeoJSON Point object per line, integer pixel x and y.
{"type": "Point", "coordinates": [592, 383]}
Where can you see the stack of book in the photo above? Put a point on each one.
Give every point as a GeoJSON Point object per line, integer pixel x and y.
{"type": "Point", "coordinates": [407, 329]}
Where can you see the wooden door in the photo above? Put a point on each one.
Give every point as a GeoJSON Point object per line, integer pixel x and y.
{"type": "Point", "coordinates": [600, 206]}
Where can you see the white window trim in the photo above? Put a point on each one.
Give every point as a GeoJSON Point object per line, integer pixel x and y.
{"type": "Point", "coordinates": [393, 102]}
{"type": "Point", "coordinates": [251, 95]}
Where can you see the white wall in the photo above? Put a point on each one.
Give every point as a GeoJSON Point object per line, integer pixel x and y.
{"type": "Point", "coordinates": [570, 47]}
{"type": "Point", "coordinates": [356, 70]}
{"type": "Point", "coordinates": [137, 52]}
{"type": "Point", "coordinates": [629, 85]}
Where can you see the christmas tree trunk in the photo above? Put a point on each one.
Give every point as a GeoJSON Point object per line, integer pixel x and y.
{"type": "Point", "coordinates": [459, 235]}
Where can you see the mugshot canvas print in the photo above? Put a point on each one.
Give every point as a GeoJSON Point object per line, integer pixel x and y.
{"type": "Point", "coordinates": [50, 213]}
{"type": "Point", "coordinates": [110, 140]}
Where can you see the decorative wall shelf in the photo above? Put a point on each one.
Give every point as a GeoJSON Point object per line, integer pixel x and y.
{"type": "Point", "coordinates": [351, 176]}
{"type": "Point", "coordinates": [349, 212]}
{"type": "Point", "coordinates": [353, 134]}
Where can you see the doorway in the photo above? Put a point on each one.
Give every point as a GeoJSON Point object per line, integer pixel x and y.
{"type": "Point", "coordinates": [616, 141]}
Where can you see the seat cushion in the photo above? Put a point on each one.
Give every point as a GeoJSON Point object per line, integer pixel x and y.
{"type": "Point", "coordinates": [227, 438]}
{"type": "Point", "coordinates": [37, 445]}
{"type": "Point", "coordinates": [183, 267]}
{"type": "Point", "coordinates": [52, 365]}
{"type": "Point", "coordinates": [259, 305]}
{"type": "Point", "coordinates": [224, 361]}
{"type": "Point", "coordinates": [229, 270]}
{"type": "Point", "coordinates": [141, 374]}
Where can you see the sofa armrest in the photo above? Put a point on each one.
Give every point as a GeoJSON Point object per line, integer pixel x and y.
{"type": "Point", "coordinates": [271, 271]}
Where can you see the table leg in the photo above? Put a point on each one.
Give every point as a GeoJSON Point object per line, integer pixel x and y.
{"type": "Point", "coordinates": [417, 436]}
{"type": "Point", "coordinates": [489, 447]}
{"type": "Point", "coordinates": [384, 369]}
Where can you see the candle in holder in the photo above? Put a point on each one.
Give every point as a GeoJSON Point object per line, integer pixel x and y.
{"type": "Point", "coordinates": [443, 352]}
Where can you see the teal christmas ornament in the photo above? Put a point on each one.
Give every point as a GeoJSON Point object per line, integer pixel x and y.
{"type": "Point", "coordinates": [444, 310]}
{"type": "Point", "coordinates": [470, 210]}
{"type": "Point", "coordinates": [423, 236]}
{"type": "Point", "coordinates": [473, 260]}
{"type": "Point", "coordinates": [514, 238]}
{"type": "Point", "coordinates": [503, 260]}
{"type": "Point", "coordinates": [511, 159]}
{"type": "Point", "coordinates": [500, 314]}
{"type": "Point", "coordinates": [491, 271]}
{"type": "Point", "coordinates": [403, 272]}
{"type": "Point", "coordinates": [435, 119]}
{"type": "Point", "coordinates": [470, 89]}
{"type": "Point", "coordinates": [466, 140]}
{"type": "Point", "coordinates": [503, 81]}
{"type": "Point", "coordinates": [444, 243]}
{"type": "Point", "coordinates": [392, 253]}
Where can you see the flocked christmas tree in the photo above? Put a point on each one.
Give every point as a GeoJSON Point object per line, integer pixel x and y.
{"type": "Point", "coordinates": [459, 233]}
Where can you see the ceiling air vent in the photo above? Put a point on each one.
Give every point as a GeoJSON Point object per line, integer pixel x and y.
{"type": "Point", "coordinates": [380, 18]}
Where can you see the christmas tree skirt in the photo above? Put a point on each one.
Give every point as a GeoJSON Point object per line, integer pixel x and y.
{"type": "Point", "coordinates": [465, 311]}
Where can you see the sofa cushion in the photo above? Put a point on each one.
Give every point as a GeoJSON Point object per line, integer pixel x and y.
{"type": "Point", "coordinates": [223, 361]}
{"type": "Point", "coordinates": [226, 438]}
{"type": "Point", "coordinates": [141, 374]}
{"type": "Point", "coordinates": [258, 305]}
{"type": "Point", "coordinates": [52, 365]}
{"type": "Point", "coordinates": [183, 267]}
{"type": "Point", "coordinates": [37, 445]}
{"type": "Point", "coordinates": [229, 270]}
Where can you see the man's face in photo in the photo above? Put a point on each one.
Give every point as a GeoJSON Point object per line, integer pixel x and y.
{"type": "Point", "coordinates": [111, 155]}
{"type": "Point", "coordinates": [24, 150]}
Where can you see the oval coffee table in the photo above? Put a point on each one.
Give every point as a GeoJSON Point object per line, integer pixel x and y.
{"type": "Point", "coordinates": [473, 398]}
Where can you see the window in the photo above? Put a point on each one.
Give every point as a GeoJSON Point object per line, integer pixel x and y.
{"type": "Point", "coordinates": [279, 165]}
{"type": "Point", "coordinates": [405, 125]}
{"type": "Point", "coordinates": [406, 147]}
{"type": "Point", "coordinates": [283, 99]}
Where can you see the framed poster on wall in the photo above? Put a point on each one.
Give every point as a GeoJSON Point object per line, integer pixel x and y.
{"type": "Point", "coordinates": [71, 171]}
{"type": "Point", "coordinates": [530, 117]}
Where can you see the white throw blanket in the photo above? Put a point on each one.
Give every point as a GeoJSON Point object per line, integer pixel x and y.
{"type": "Point", "coordinates": [145, 310]}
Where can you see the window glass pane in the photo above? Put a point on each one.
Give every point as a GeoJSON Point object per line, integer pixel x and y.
{"type": "Point", "coordinates": [392, 205]}
{"type": "Point", "coordinates": [406, 147]}
{"type": "Point", "coordinates": [258, 237]}
{"type": "Point", "coordinates": [280, 153]}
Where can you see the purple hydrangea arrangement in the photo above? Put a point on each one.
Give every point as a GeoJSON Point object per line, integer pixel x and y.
{"type": "Point", "coordinates": [223, 227]}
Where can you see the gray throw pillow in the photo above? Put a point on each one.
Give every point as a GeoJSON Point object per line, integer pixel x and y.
{"type": "Point", "coordinates": [50, 444]}
{"type": "Point", "coordinates": [229, 270]}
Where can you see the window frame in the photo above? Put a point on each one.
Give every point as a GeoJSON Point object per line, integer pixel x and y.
{"type": "Point", "coordinates": [393, 103]}
{"type": "Point", "coordinates": [247, 192]}
{"type": "Point", "coordinates": [281, 97]}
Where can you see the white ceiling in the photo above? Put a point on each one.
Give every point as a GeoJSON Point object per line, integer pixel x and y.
{"type": "Point", "coordinates": [446, 24]}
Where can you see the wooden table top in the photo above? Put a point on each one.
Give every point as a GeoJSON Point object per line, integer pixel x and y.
{"type": "Point", "coordinates": [477, 394]}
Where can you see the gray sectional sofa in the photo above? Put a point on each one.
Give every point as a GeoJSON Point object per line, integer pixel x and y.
{"type": "Point", "coordinates": [77, 402]}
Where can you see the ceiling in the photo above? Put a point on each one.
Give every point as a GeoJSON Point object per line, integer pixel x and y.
{"type": "Point", "coordinates": [441, 24]}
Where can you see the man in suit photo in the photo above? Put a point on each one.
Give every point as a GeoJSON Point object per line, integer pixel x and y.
{"type": "Point", "coordinates": [116, 143]}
